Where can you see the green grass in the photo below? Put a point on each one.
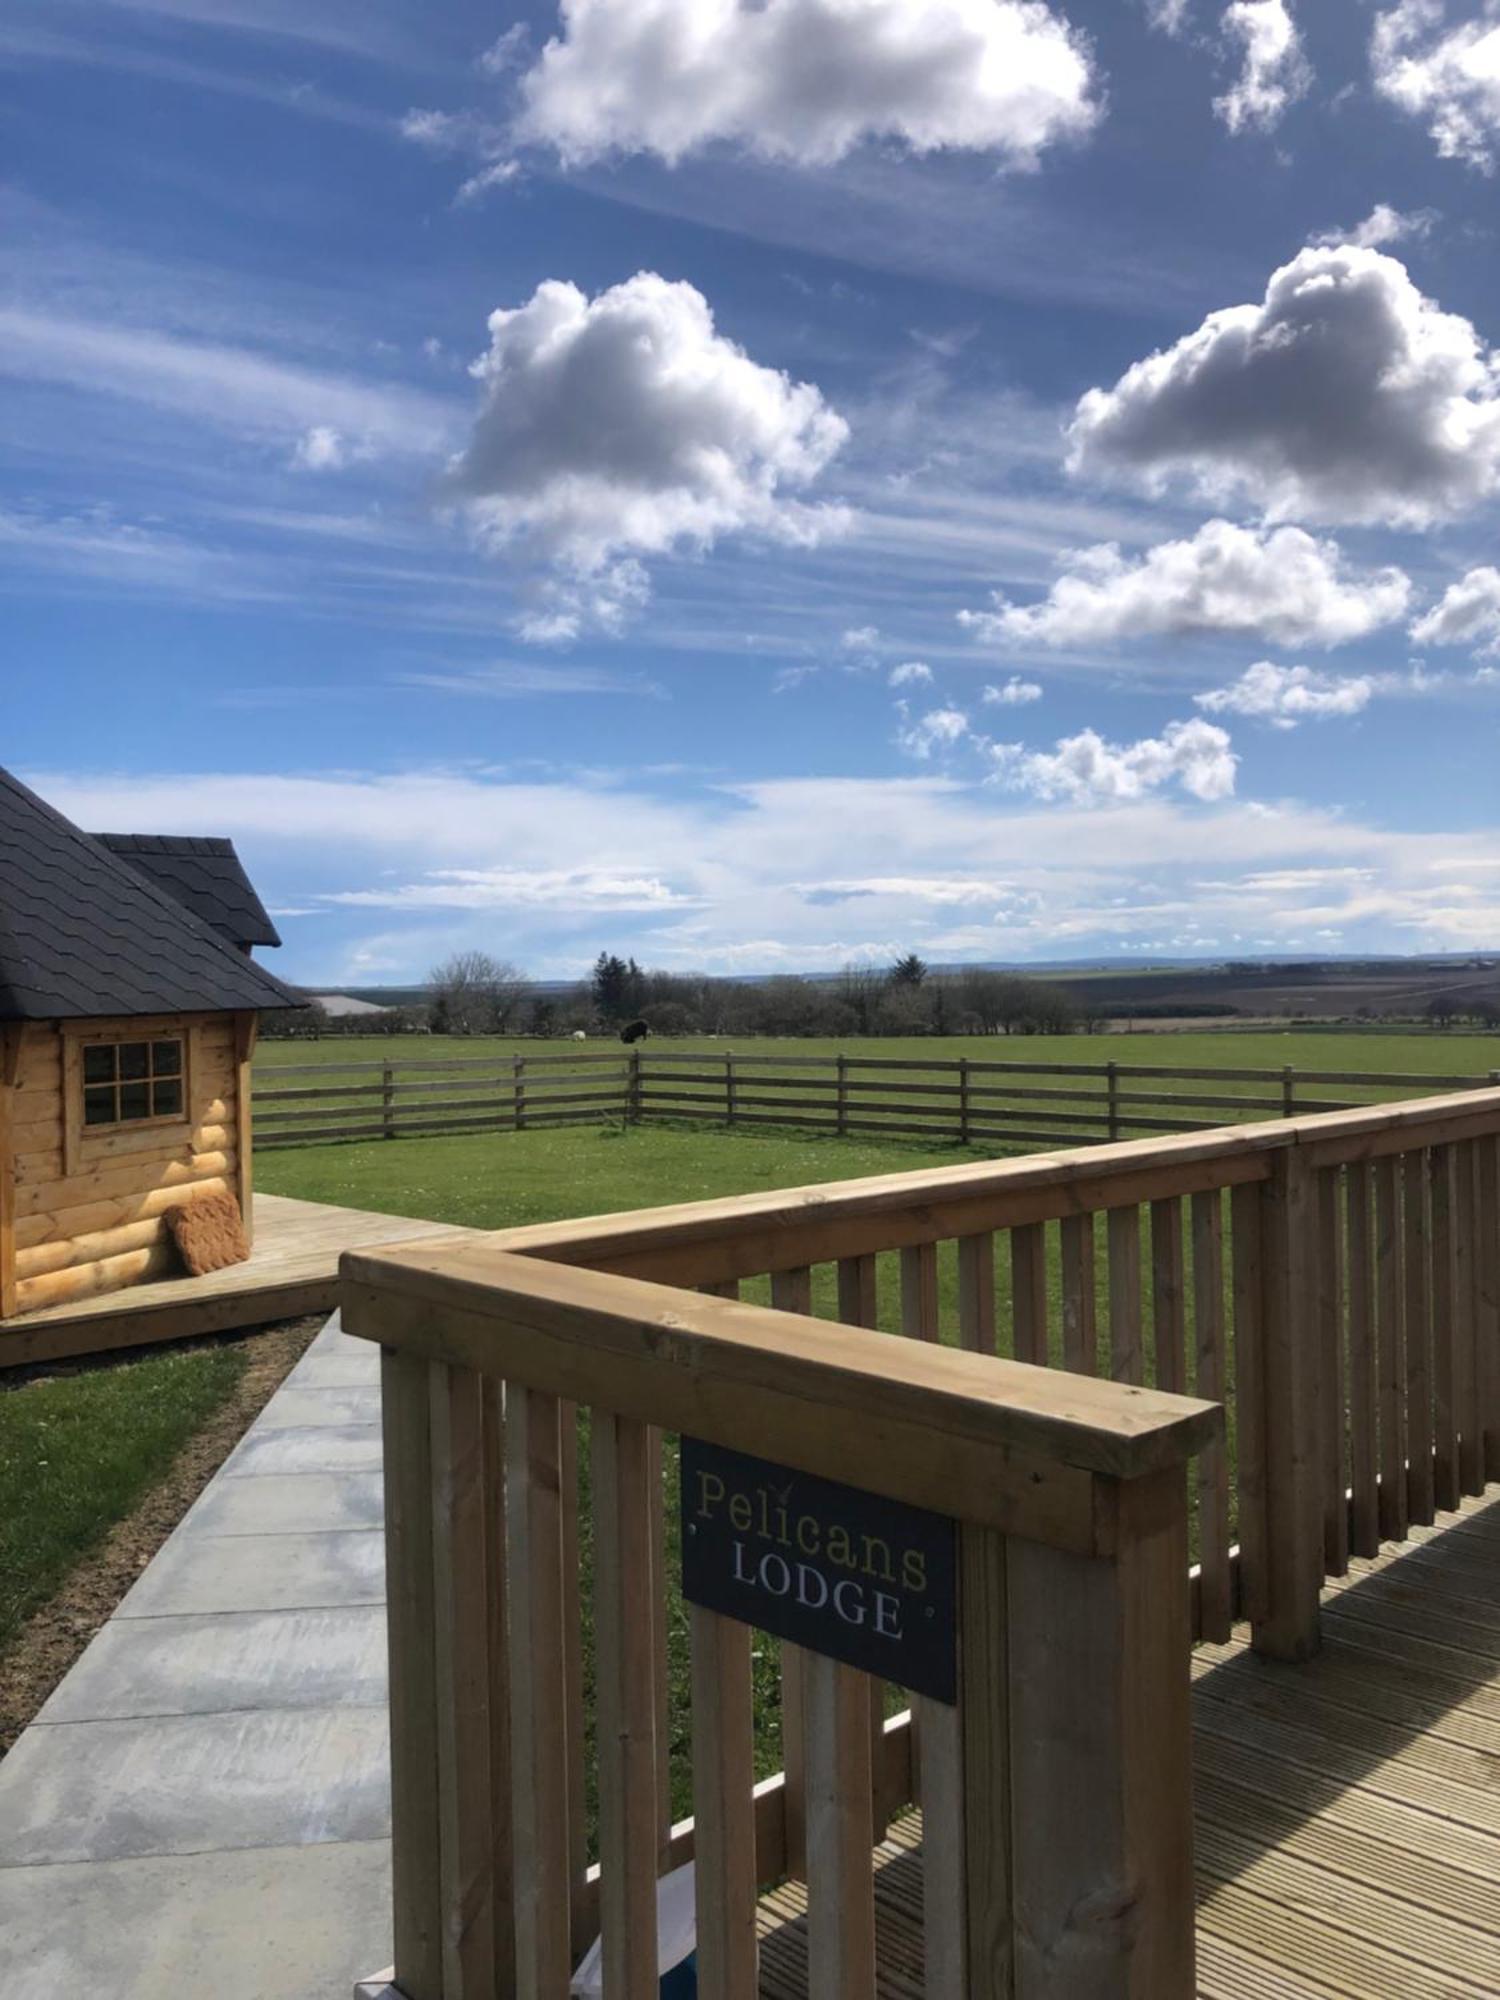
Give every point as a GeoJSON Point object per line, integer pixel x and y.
{"type": "Point", "coordinates": [79, 1451]}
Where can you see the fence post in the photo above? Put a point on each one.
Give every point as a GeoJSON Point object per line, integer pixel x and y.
{"type": "Point", "coordinates": [1289, 1410]}
{"type": "Point", "coordinates": [843, 1096]}
{"type": "Point", "coordinates": [729, 1090]}
{"type": "Point", "coordinates": [633, 1106]}
{"type": "Point", "coordinates": [1074, 1681]}
{"type": "Point", "coordinates": [1113, 1086]}
{"type": "Point", "coordinates": [387, 1101]}
{"type": "Point", "coordinates": [963, 1100]}
{"type": "Point", "coordinates": [518, 1109]}
{"type": "Point", "coordinates": [1288, 1092]}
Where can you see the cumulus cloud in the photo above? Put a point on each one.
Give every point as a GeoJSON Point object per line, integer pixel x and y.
{"type": "Point", "coordinates": [1168, 15]}
{"type": "Point", "coordinates": [926, 735]}
{"type": "Point", "coordinates": [911, 673]}
{"type": "Point", "coordinates": [1345, 395]}
{"type": "Point", "coordinates": [1448, 76]}
{"type": "Point", "coordinates": [626, 426]}
{"type": "Point", "coordinates": [1382, 225]}
{"type": "Point", "coordinates": [1274, 72]}
{"type": "Point", "coordinates": [1014, 693]}
{"type": "Point", "coordinates": [1468, 614]}
{"type": "Point", "coordinates": [1281, 584]}
{"type": "Point", "coordinates": [1285, 696]}
{"type": "Point", "coordinates": [320, 449]}
{"type": "Point", "coordinates": [808, 80]}
{"type": "Point", "coordinates": [1086, 769]}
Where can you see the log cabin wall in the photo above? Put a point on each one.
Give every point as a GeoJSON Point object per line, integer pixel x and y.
{"type": "Point", "coordinates": [88, 1207]}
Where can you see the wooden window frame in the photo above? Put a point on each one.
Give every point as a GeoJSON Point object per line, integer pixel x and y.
{"type": "Point", "coordinates": [83, 1144]}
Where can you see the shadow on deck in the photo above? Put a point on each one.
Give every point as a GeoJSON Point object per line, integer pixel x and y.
{"type": "Point", "coordinates": [1348, 1810]}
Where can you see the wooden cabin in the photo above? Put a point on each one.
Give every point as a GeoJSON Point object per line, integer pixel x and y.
{"type": "Point", "coordinates": [128, 1010]}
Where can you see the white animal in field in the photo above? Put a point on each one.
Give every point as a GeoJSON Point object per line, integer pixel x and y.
{"type": "Point", "coordinates": [580, 1034]}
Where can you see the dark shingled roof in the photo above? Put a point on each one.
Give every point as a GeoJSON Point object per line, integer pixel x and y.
{"type": "Point", "coordinates": [205, 876]}
{"type": "Point", "coordinates": [83, 934]}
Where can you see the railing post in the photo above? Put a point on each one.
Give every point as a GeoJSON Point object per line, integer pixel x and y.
{"type": "Point", "coordinates": [1059, 1829]}
{"type": "Point", "coordinates": [1288, 1408]}
{"type": "Point", "coordinates": [387, 1101]}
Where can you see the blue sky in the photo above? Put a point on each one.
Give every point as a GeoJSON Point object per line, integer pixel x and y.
{"type": "Point", "coordinates": [764, 485]}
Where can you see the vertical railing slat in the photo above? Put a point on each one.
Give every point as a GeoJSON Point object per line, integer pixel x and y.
{"type": "Point", "coordinates": [497, 1615]}
{"type": "Point", "coordinates": [1487, 1325]}
{"type": "Point", "coordinates": [1465, 1349]}
{"type": "Point", "coordinates": [1332, 1373]}
{"type": "Point", "coordinates": [1168, 1296]}
{"type": "Point", "coordinates": [1444, 1292]}
{"type": "Point", "coordinates": [1417, 1276]}
{"type": "Point", "coordinates": [1126, 1360]}
{"type": "Point", "coordinates": [1290, 1626]}
{"type": "Point", "coordinates": [1389, 1348]}
{"type": "Point", "coordinates": [538, 1709]}
{"type": "Point", "coordinates": [859, 1305]}
{"type": "Point", "coordinates": [1248, 1278]}
{"type": "Point", "coordinates": [1028, 1299]}
{"type": "Point", "coordinates": [919, 1292]}
{"type": "Point", "coordinates": [840, 1873]}
{"type": "Point", "coordinates": [1079, 1333]}
{"type": "Point", "coordinates": [976, 1293]}
{"type": "Point", "coordinates": [626, 1468]}
{"type": "Point", "coordinates": [583, 1913]}
{"type": "Point", "coordinates": [1211, 1384]}
{"type": "Point", "coordinates": [415, 1885]}
{"type": "Point", "coordinates": [1364, 1458]}
{"type": "Point", "coordinates": [724, 1871]}
{"type": "Point", "coordinates": [791, 1291]}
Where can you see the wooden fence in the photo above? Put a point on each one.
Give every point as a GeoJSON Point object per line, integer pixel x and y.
{"type": "Point", "coordinates": [954, 1100]}
{"type": "Point", "coordinates": [1331, 1284]}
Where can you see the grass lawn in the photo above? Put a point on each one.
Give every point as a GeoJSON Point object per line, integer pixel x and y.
{"type": "Point", "coordinates": [78, 1451]}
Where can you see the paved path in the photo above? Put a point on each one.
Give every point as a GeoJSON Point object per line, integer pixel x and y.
{"type": "Point", "coordinates": [202, 1808]}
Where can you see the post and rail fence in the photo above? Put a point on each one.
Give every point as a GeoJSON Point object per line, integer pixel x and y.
{"type": "Point", "coordinates": [958, 1100]}
{"type": "Point", "coordinates": [1273, 1346]}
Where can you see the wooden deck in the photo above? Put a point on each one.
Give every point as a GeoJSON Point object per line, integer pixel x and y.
{"type": "Point", "coordinates": [292, 1270]}
{"type": "Point", "coordinates": [1348, 1811]}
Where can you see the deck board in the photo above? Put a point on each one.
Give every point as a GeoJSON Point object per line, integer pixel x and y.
{"type": "Point", "coordinates": [1348, 1811]}
{"type": "Point", "coordinates": [293, 1269]}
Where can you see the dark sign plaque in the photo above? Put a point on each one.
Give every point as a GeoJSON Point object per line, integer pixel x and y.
{"type": "Point", "coordinates": [837, 1570]}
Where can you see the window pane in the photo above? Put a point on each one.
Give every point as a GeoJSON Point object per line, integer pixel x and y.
{"type": "Point", "coordinates": [166, 1059]}
{"type": "Point", "coordinates": [166, 1098]}
{"type": "Point", "coordinates": [99, 1063]}
{"type": "Point", "coordinates": [134, 1057]}
{"type": "Point", "coordinates": [99, 1106]}
{"type": "Point", "coordinates": [135, 1100]}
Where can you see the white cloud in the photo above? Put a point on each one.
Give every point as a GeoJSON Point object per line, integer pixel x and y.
{"type": "Point", "coordinates": [1087, 770]}
{"type": "Point", "coordinates": [1344, 396]}
{"type": "Point", "coordinates": [859, 638]}
{"type": "Point", "coordinates": [1280, 584]}
{"type": "Point", "coordinates": [517, 680]}
{"type": "Point", "coordinates": [1382, 225]}
{"type": "Point", "coordinates": [939, 729]}
{"type": "Point", "coordinates": [911, 673]}
{"type": "Point", "coordinates": [1014, 693]}
{"type": "Point", "coordinates": [320, 449]}
{"type": "Point", "coordinates": [1448, 76]}
{"type": "Point", "coordinates": [1168, 15]}
{"type": "Point", "coordinates": [1285, 696]}
{"type": "Point", "coordinates": [1275, 72]}
{"type": "Point", "coordinates": [808, 80]}
{"type": "Point", "coordinates": [518, 889]}
{"type": "Point", "coordinates": [625, 426]}
{"type": "Point", "coordinates": [1468, 614]}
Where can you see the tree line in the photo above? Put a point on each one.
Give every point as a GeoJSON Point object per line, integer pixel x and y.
{"type": "Point", "coordinates": [473, 993]}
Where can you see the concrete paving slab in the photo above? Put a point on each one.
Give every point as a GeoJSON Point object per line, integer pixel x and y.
{"type": "Point", "coordinates": [337, 1371]}
{"type": "Point", "coordinates": [183, 1784]}
{"type": "Point", "coordinates": [318, 1919]}
{"type": "Point", "coordinates": [313, 1448]}
{"type": "Point", "coordinates": [300, 1406]}
{"type": "Point", "coordinates": [195, 1573]}
{"type": "Point", "coordinates": [288, 1504]}
{"type": "Point", "coordinates": [226, 1662]}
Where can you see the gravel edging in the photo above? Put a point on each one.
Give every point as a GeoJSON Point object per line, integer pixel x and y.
{"type": "Point", "coordinates": [54, 1636]}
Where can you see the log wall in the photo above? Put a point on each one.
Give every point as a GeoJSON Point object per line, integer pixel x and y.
{"type": "Point", "coordinates": [87, 1216]}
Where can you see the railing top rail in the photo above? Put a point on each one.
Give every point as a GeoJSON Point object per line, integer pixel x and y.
{"type": "Point", "coordinates": [989, 1440]}
{"type": "Point", "coordinates": [744, 1235]}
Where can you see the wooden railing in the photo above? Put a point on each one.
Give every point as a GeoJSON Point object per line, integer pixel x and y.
{"type": "Point", "coordinates": [1332, 1282]}
{"type": "Point", "coordinates": [958, 1100]}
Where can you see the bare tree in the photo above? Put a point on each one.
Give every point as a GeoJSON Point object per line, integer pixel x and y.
{"type": "Point", "coordinates": [474, 994]}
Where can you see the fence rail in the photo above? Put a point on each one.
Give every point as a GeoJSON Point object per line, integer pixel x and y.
{"type": "Point", "coordinates": [955, 1100]}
